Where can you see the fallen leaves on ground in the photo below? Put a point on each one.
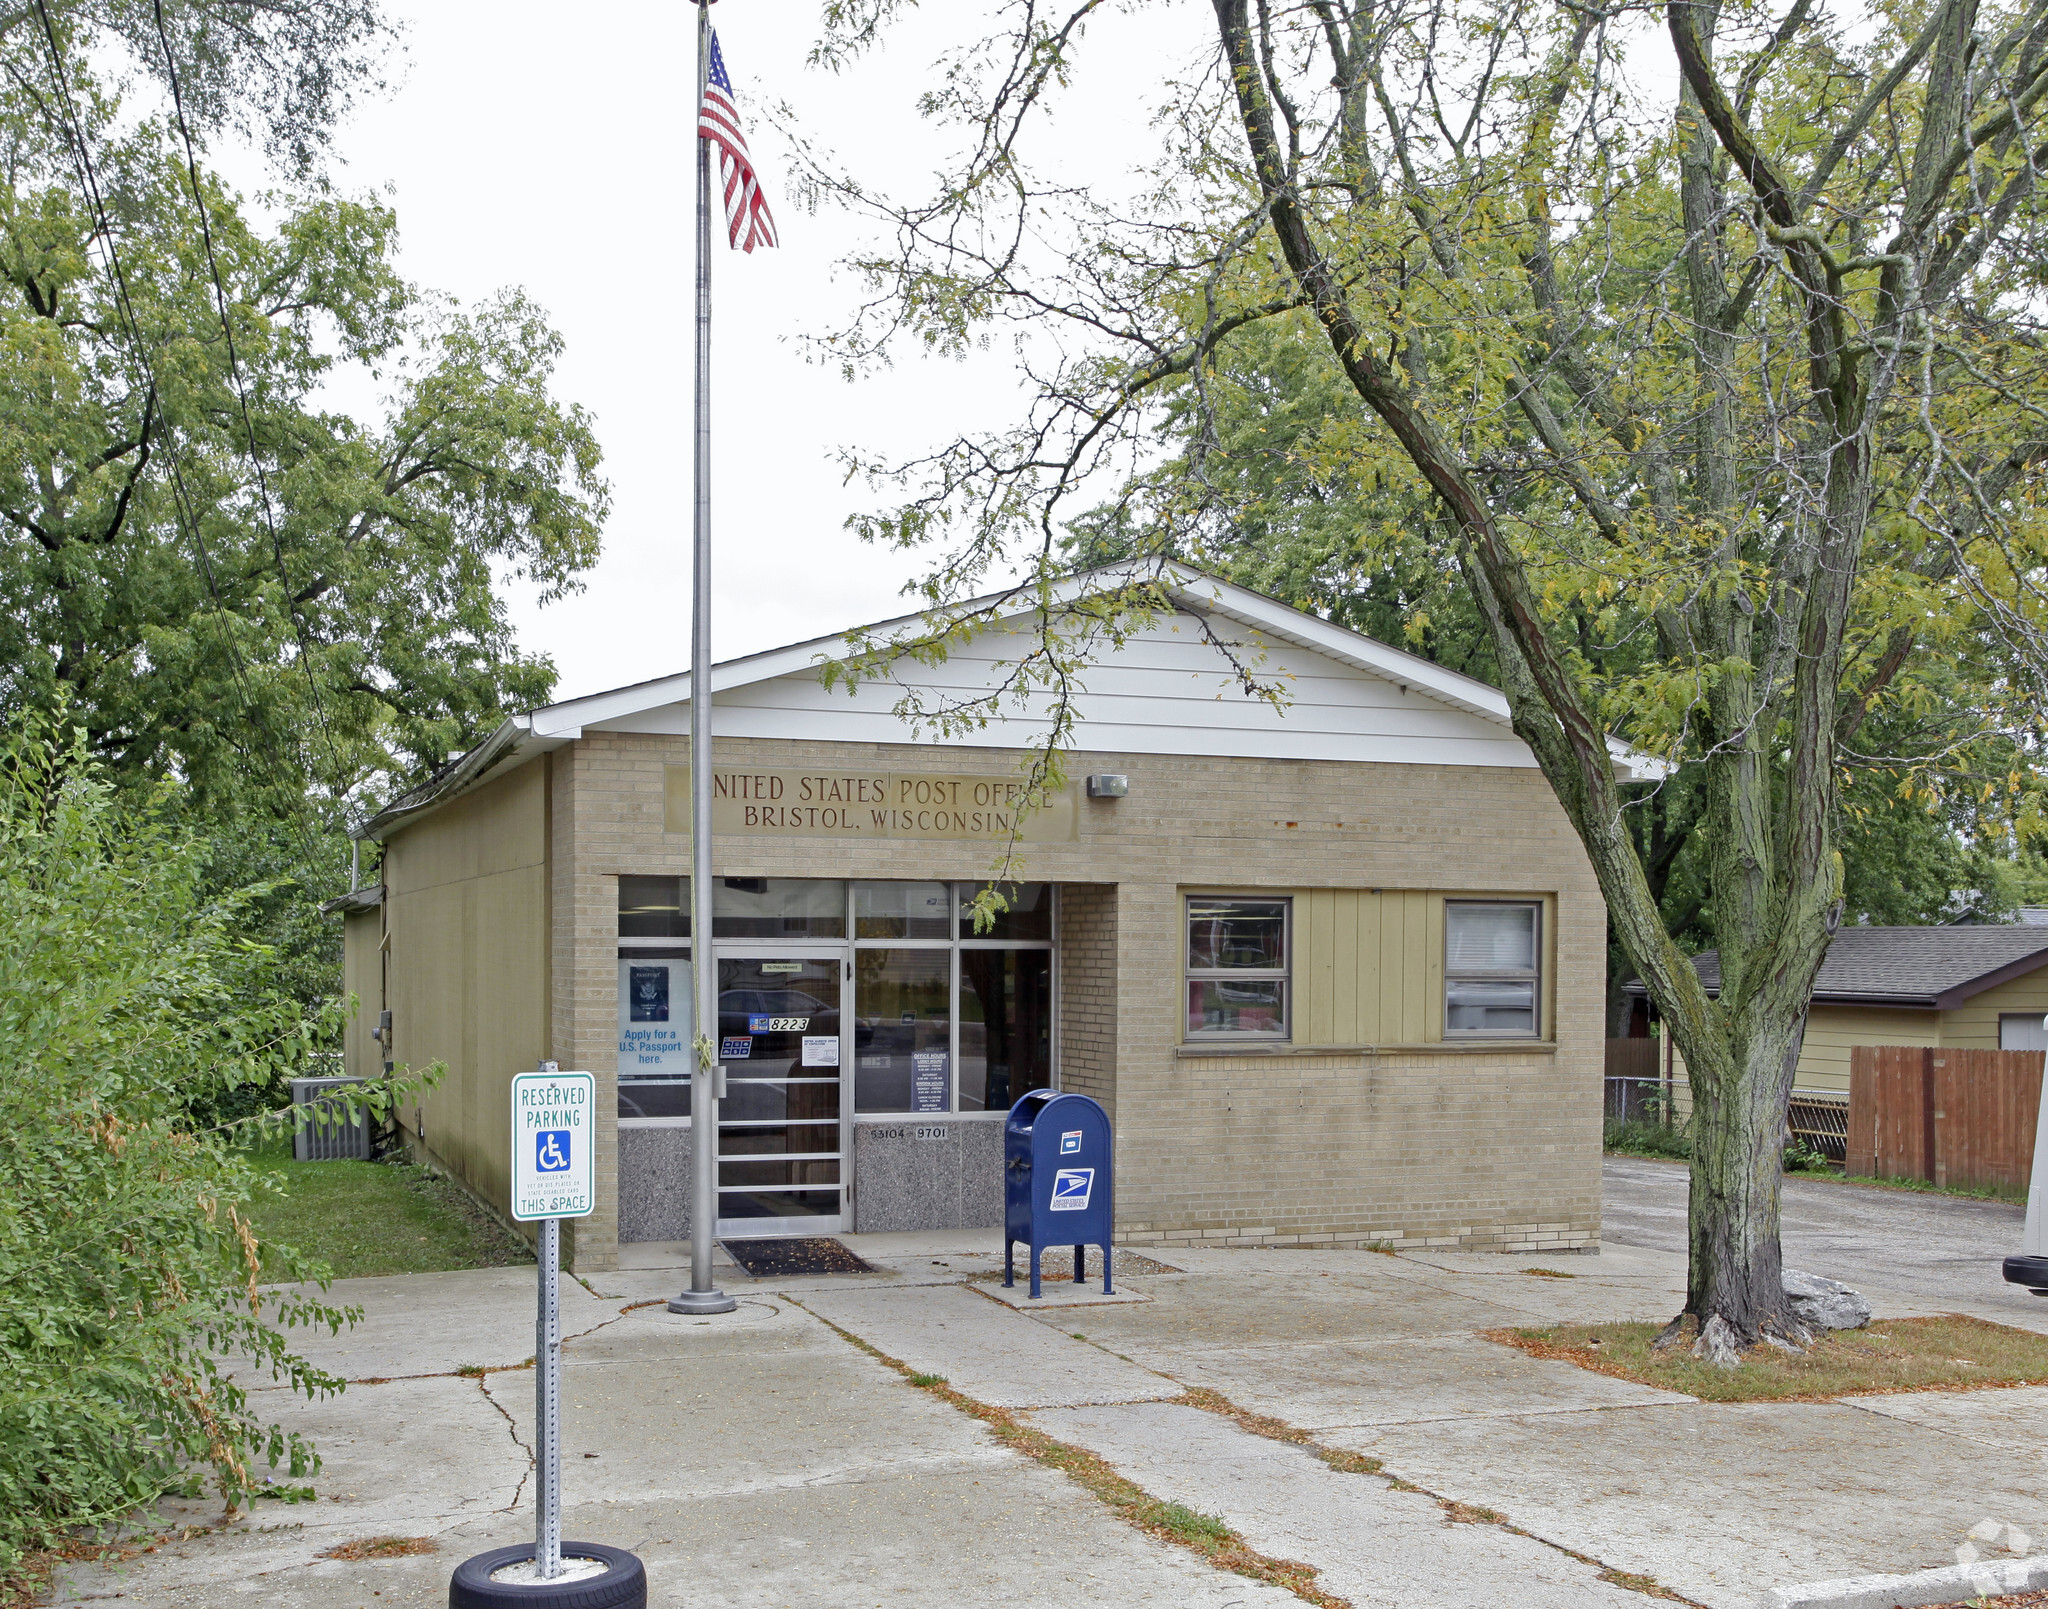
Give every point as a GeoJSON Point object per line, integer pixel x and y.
{"type": "Point", "coordinates": [382, 1547]}
{"type": "Point", "coordinates": [1950, 1353]}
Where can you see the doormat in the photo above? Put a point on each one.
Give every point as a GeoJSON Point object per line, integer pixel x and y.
{"type": "Point", "coordinates": [781, 1259]}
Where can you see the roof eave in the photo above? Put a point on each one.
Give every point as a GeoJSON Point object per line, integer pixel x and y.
{"type": "Point", "coordinates": [355, 901]}
{"type": "Point", "coordinates": [514, 742]}
{"type": "Point", "coordinates": [1992, 979]}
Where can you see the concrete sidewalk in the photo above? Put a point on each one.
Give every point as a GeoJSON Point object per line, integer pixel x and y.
{"type": "Point", "coordinates": [763, 1459]}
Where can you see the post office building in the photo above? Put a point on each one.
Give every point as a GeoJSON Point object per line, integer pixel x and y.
{"type": "Point", "coordinates": [1333, 962]}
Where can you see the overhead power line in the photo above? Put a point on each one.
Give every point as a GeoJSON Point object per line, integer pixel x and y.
{"type": "Point", "coordinates": [181, 496]}
{"type": "Point", "coordinates": [220, 302]}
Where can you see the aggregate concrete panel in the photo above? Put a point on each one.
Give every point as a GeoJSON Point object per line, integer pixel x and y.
{"type": "Point", "coordinates": [1377, 1546]}
{"type": "Point", "coordinates": [656, 1170]}
{"type": "Point", "coordinates": [1325, 1384]}
{"type": "Point", "coordinates": [438, 1323]}
{"type": "Point", "coordinates": [928, 1174]}
{"type": "Point", "coordinates": [1724, 1501]}
{"type": "Point", "coordinates": [989, 1351]}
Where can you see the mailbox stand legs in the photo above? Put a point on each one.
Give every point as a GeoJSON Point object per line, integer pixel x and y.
{"type": "Point", "coordinates": [1080, 1267]}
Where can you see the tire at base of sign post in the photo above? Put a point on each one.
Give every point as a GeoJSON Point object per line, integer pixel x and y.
{"type": "Point", "coordinates": [623, 1585]}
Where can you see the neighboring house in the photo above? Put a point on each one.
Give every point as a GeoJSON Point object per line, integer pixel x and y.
{"type": "Point", "coordinates": [1335, 966]}
{"type": "Point", "coordinates": [1965, 987]}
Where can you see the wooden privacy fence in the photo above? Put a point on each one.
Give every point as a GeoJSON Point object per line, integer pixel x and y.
{"type": "Point", "coordinates": [1962, 1117]}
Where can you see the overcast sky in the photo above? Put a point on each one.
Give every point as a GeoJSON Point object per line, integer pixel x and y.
{"type": "Point", "coordinates": [528, 145]}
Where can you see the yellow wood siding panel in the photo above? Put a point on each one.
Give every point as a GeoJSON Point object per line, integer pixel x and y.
{"type": "Point", "coordinates": [1832, 1031]}
{"type": "Point", "coordinates": [362, 932]}
{"type": "Point", "coordinates": [1369, 966]}
{"type": "Point", "coordinates": [1345, 1029]}
{"type": "Point", "coordinates": [1973, 1025]}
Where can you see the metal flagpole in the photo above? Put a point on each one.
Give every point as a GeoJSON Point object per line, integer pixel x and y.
{"type": "Point", "coordinates": [702, 1296]}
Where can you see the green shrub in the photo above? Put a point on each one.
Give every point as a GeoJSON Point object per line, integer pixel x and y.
{"type": "Point", "coordinates": [128, 1268]}
{"type": "Point", "coordinates": [1646, 1138]}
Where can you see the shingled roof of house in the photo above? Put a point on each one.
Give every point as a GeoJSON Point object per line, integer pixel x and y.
{"type": "Point", "coordinates": [1936, 967]}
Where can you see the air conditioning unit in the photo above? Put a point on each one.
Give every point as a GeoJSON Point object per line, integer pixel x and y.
{"type": "Point", "coordinates": [330, 1134]}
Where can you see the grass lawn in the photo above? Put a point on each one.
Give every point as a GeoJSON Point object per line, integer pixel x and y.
{"type": "Point", "coordinates": [379, 1218]}
{"type": "Point", "coordinates": [1907, 1354]}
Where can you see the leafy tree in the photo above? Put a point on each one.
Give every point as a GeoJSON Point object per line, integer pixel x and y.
{"type": "Point", "coordinates": [1296, 512]}
{"type": "Point", "coordinates": [1728, 421]}
{"type": "Point", "coordinates": [220, 578]}
{"type": "Point", "coordinates": [129, 1002]}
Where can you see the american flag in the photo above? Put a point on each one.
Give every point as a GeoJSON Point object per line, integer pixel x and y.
{"type": "Point", "coordinates": [746, 209]}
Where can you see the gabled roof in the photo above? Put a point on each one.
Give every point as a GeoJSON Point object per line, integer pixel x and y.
{"type": "Point", "coordinates": [1927, 967]}
{"type": "Point", "coordinates": [1192, 591]}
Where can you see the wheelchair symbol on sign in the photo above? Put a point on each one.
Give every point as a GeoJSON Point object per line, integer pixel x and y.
{"type": "Point", "coordinates": [551, 1150]}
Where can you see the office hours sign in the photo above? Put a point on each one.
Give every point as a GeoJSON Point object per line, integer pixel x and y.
{"type": "Point", "coordinates": [552, 1122]}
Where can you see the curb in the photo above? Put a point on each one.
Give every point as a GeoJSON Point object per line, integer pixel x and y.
{"type": "Point", "coordinates": [1956, 1583]}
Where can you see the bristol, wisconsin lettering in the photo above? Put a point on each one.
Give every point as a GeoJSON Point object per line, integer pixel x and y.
{"type": "Point", "coordinates": [874, 804]}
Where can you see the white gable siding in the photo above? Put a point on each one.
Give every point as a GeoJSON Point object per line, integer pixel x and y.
{"type": "Point", "coordinates": [1167, 691]}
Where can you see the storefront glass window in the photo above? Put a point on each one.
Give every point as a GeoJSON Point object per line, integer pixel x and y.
{"type": "Point", "coordinates": [1028, 916]}
{"type": "Point", "coordinates": [1005, 1026]}
{"type": "Point", "coordinates": [1237, 959]}
{"type": "Point", "coordinates": [902, 1037]}
{"type": "Point", "coordinates": [655, 1013]}
{"type": "Point", "coordinates": [1490, 968]}
{"type": "Point", "coordinates": [654, 907]}
{"type": "Point", "coordinates": [902, 910]}
{"type": "Point", "coordinates": [778, 908]}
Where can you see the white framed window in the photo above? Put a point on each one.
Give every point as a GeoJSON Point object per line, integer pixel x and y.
{"type": "Point", "coordinates": [1493, 985]}
{"type": "Point", "coordinates": [1238, 956]}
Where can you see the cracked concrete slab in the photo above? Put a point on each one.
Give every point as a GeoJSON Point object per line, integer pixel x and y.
{"type": "Point", "coordinates": [1378, 1546]}
{"type": "Point", "coordinates": [436, 1324]}
{"type": "Point", "coordinates": [1257, 1307]}
{"type": "Point", "coordinates": [1722, 1500]}
{"type": "Point", "coordinates": [1346, 1383]}
{"type": "Point", "coordinates": [667, 1414]}
{"type": "Point", "coordinates": [764, 1462]}
{"type": "Point", "coordinates": [2014, 1420]}
{"type": "Point", "coordinates": [993, 1353]}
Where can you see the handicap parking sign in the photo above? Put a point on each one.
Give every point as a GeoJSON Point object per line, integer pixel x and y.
{"type": "Point", "coordinates": [1071, 1188]}
{"type": "Point", "coordinates": [551, 1147]}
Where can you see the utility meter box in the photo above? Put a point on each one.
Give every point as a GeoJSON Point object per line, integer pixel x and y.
{"type": "Point", "coordinates": [1059, 1181]}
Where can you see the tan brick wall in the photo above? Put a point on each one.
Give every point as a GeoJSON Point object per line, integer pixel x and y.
{"type": "Point", "coordinates": [1447, 1147]}
{"type": "Point", "coordinates": [1087, 998]}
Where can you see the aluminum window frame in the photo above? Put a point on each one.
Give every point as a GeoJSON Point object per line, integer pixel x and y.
{"type": "Point", "coordinates": [1532, 975]}
{"type": "Point", "coordinates": [953, 944]}
{"type": "Point", "coordinates": [1285, 972]}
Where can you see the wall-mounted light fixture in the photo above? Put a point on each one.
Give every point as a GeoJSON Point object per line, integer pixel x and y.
{"type": "Point", "coordinates": [1108, 785]}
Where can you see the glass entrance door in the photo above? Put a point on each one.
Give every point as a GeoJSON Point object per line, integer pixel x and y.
{"type": "Point", "coordinates": [781, 1039]}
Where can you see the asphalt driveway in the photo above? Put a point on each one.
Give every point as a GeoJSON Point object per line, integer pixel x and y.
{"type": "Point", "coordinates": [1944, 1251]}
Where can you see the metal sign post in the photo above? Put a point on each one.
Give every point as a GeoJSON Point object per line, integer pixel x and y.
{"type": "Point", "coordinates": [553, 1135]}
{"type": "Point", "coordinates": [551, 1180]}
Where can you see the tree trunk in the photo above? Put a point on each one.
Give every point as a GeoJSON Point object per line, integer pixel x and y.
{"type": "Point", "coordinates": [1734, 1285]}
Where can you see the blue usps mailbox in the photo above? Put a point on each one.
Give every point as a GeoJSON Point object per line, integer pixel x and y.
{"type": "Point", "coordinates": [1059, 1181]}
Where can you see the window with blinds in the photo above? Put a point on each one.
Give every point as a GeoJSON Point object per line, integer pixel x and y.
{"type": "Point", "coordinates": [1492, 980]}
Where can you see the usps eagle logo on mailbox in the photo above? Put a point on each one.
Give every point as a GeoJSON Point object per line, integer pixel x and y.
{"type": "Point", "coordinates": [1071, 1188]}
